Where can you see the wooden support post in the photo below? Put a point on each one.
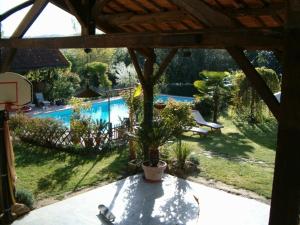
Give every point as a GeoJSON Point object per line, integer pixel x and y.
{"type": "Point", "coordinates": [285, 204]}
{"type": "Point", "coordinates": [5, 194]}
{"type": "Point", "coordinates": [256, 80]}
{"type": "Point", "coordinates": [28, 20]}
{"type": "Point", "coordinates": [148, 80]}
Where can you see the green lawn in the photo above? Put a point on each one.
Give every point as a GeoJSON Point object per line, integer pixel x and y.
{"type": "Point", "coordinates": [46, 172]}
{"type": "Point", "coordinates": [242, 155]}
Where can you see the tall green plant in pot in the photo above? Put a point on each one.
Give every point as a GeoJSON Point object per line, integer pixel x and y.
{"type": "Point", "coordinates": [168, 124]}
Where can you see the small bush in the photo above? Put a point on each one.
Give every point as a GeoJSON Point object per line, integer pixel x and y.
{"type": "Point", "coordinates": [182, 152]}
{"type": "Point", "coordinates": [17, 121]}
{"type": "Point", "coordinates": [25, 197]}
{"type": "Point", "coordinates": [194, 159]}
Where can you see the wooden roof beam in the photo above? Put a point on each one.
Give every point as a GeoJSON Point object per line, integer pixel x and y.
{"type": "Point", "coordinates": [25, 24]}
{"type": "Point", "coordinates": [268, 10]}
{"type": "Point", "coordinates": [131, 18]}
{"type": "Point", "coordinates": [216, 39]}
{"type": "Point", "coordinates": [82, 11]}
{"type": "Point", "coordinates": [98, 6]}
{"type": "Point", "coordinates": [206, 14]}
{"type": "Point", "coordinates": [15, 9]}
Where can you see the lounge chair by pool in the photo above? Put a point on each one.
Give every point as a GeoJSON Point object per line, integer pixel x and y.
{"type": "Point", "coordinates": [40, 99]}
{"type": "Point", "coordinates": [202, 122]}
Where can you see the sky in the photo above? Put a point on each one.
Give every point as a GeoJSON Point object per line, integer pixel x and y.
{"type": "Point", "coordinates": [51, 22]}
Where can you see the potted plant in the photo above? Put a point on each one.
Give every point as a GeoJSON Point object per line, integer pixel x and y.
{"type": "Point", "coordinates": [169, 124]}
{"type": "Point", "coordinates": [159, 105]}
{"type": "Point", "coordinates": [155, 138]}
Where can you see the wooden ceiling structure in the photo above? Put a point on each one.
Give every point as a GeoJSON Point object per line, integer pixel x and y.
{"type": "Point", "coordinates": [235, 25]}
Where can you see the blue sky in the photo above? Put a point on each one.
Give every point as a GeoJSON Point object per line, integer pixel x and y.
{"type": "Point", "coordinates": [52, 21]}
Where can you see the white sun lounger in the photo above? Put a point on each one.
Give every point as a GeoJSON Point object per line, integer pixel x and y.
{"type": "Point", "coordinates": [202, 122]}
{"type": "Point", "coordinates": [197, 130]}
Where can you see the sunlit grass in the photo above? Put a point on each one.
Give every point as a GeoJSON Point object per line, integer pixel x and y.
{"type": "Point", "coordinates": [242, 155]}
{"type": "Point", "coordinates": [46, 172]}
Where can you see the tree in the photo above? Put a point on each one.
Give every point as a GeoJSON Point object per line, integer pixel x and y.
{"type": "Point", "coordinates": [125, 75]}
{"type": "Point", "coordinates": [213, 86]}
{"type": "Point", "coordinates": [65, 86]}
{"type": "Point", "coordinates": [96, 74]}
{"type": "Point", "coordinates": [264, 59]}
{"type": "Point", "coordinates": [246, 100]}
{"type": "Point", "coordinates": [55, 83]}
{"type": "Point", "coordinates": [79, 58]}
{"type": "Point", "coordinates": [121, 55]}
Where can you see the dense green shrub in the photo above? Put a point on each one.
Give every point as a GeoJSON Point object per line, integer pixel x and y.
{"type": "Point", "coordinates": [205, 107]}
{"type": "Point", "coordinates": [247, 104]}
{"type": "Point", "coordinates": [86, 136]}
{"type": "Point", "coordinates": [177, 116]}
{"type": "Point", "coordinates": [180, 89]}
{"type": "Point", "coordinates": [17, 121]}
{"type": "Point", "coordinates": [25, 197]}
{"type": "Point", "coordinates": [194, 159]}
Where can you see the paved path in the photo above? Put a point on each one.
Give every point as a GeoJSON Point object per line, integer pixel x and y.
{"type": "Point", "coordinates": [135, 202]}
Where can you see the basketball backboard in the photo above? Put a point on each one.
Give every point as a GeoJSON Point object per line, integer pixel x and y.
{"type": "Point", "coordinates": [15, 91]}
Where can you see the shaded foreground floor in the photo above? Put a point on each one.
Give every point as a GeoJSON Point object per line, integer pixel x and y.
{"type": "Point", "coordinates": [171, 202]}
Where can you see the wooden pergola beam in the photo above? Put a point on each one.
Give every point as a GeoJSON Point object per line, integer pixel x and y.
{"type": "Point", "coordinates": [29, 18]}
{"type": "Point", "coordinates": [285, 203]}
{"type": "Point", "coordinates": [122, 19]}
{"type": "Point", "coordinates": [99, 5]}
{"type": "Point", "coordinates": [15, 9]}
{"type": "Point", "coordinates": [164, 64]}
{"type": "Point", "coordinates": [256, 80]}
{"type": "Point", "coordinates": [82, 10]}
{"type": "Point", "coordinates": [268, 10]}
{"type": "Point", "coordinates": [27, 21]}
{"type": "Point", "coordinates": [136, 65]}
{"type": "Point", "coordinates": [205, 13]}
{"type": "Point", "coordinates": [217, 39]}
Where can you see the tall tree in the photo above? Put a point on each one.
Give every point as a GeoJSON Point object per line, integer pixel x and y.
{"type": "Point", "coordinates": [213, 86]}
{"type": "Point", "coordinates": [96, 74]}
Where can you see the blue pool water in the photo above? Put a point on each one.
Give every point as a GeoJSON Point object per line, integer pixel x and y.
{"type": "Point", "coordinates": [99, 110]}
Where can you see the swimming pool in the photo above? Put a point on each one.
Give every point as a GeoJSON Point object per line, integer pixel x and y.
{"type": "Point", "coordinates": [99, 110]}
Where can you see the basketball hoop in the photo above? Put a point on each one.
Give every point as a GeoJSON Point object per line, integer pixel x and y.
{"type": "Point", "coordinates": [15, 91]}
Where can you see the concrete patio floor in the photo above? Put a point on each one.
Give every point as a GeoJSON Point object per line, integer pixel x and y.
{"type": "Point", "coordinates": [135, 202]}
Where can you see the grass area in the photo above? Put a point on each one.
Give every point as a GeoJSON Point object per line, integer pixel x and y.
{"type": "Point", "coordinates": [242, 155]}
{"type": "Point", "coordinates": [46, 172]}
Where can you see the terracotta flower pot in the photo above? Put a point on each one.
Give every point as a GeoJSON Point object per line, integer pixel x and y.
{"type": "Point", "coordinates": [154, 173]}
{"type": "Point", "coordinates": [159, 105]}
